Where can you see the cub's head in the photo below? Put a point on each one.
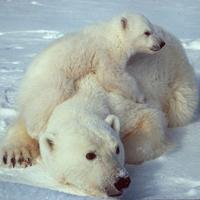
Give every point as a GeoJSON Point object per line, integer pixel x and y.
{"type": "Point", "coordinates": [89, 156]}
{"type": "Point", "coordinates": [138, 35]}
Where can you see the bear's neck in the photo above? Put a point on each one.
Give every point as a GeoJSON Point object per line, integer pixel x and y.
{"type": "Point", "coordinates": [91, 98]}
{"type": "Point", "coordinates": [113, 43]}
{"type": "Point", "coordinates": [117, 48]}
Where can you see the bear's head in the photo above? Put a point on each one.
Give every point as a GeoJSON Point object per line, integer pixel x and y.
{"type": "Point", "coordinates": [138, 35]}
{"type": "Point", "coordinates": [86, 154]}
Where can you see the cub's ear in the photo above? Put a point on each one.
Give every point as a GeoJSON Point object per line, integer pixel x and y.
{"type": "Point", "coordinates": [113, 121]}
{"type": "Point", "coordinates": [124, 23]}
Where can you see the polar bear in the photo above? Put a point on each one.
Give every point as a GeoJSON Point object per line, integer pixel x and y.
{"type": "Point", "coordinates": [169, 83]}
{"type": "Point", "coordinates": [81, 146]}
{"type": "Point", "coordinates": [102, 49]}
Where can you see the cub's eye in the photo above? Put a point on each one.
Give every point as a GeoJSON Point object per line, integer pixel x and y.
{"type": "Point", "coordinates": [91, 156]}
{"type": "Point", "coordinates": [147, 33]}
{"type": "Point", "coordinates": [117, 150]}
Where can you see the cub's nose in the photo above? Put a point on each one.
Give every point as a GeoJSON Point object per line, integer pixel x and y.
{"type": "Point", "coordinates": [122, 183]}
{"type": "Point", "coordinates": [162, 44]}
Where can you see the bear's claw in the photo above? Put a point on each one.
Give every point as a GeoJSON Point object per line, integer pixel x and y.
{"type": "Point", "coordinates": [17, 157]}
{"type": "Point", "coordinates": [13, 161]}
{"type": "Point", "coordinates": [5, 158]}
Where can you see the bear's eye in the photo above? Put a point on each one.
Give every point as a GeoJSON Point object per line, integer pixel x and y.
{"type": "Point", "coordinates": [147, 33]}
{"type": "Point", "coordinates": [50, 143]}
{"type": "Point", "coordinates": [91, 156]}
{"type": "Point", "coordinates": [117, 150]}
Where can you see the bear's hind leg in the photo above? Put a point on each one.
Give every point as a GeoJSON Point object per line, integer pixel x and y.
{"type": "Point", "coordinates": [183, 99]}
{"type": "Point", "coordinates": [18, 149]}
{"type": "Point", "coordinates": [147, 139]}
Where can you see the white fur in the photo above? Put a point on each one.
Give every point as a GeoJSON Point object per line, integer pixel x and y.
{"type": "Point", "coordinates": [102, 49]}
{"type": "Point", "coordinates": [77, 128]}
{"type": "Point", "coordinates": [166, 79]}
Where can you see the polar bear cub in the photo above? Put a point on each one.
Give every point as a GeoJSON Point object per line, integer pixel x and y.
{"type": "Point", "coordinates": [102, 49]}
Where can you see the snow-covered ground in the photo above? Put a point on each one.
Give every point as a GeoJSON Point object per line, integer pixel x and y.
{"type": "Point", "coordinates": [28, 26]}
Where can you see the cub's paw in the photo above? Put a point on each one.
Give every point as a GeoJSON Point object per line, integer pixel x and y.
{"type": "Point", "coordinates": [18, 155]}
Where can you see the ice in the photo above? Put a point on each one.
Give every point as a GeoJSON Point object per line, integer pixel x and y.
{"type": "Point", "coordinates": [28, 26]}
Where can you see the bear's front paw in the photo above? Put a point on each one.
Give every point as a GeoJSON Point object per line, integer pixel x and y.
{"type": "Point", "coordinates": [18, 155]}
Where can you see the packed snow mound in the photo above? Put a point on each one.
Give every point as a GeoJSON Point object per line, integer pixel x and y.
{"type": "Point", "coordinates": [192, 44]}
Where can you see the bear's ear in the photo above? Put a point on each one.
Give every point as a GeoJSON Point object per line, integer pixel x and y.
{"type": "Point", "coordinates": [124, 23]}
{"type": "Point", "coordinates": [113, 121]}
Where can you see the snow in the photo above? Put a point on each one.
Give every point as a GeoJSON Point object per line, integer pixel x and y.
{"type": "Point", "coordinates": [28, 26]}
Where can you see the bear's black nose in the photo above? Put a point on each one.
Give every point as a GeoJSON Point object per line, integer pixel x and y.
{"type": "Point", "coordinates": [122, 183]}
{"type": "Point", "coordinates": [162, 44]}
